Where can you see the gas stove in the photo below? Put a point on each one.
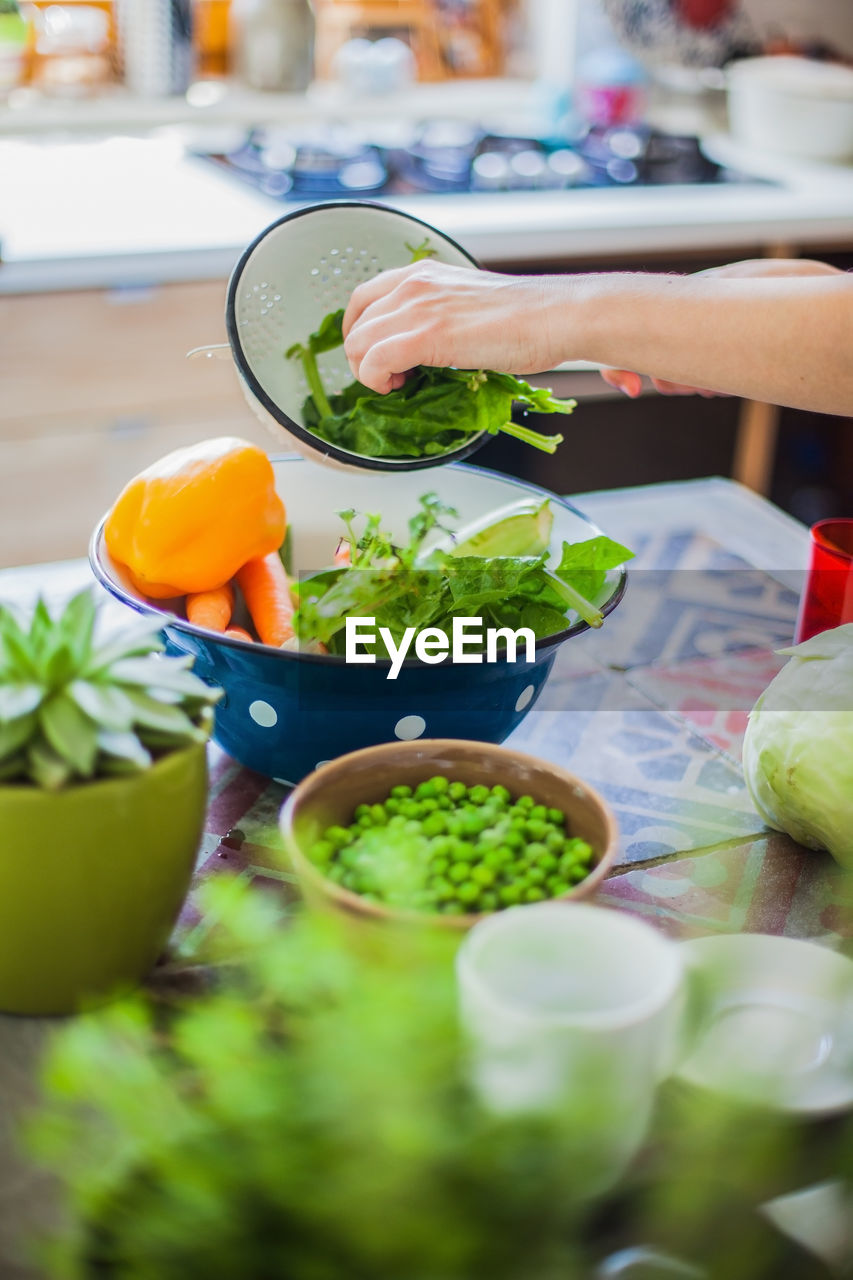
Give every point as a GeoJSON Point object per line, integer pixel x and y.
{"type": "Point", "coordinates": [332, 163]}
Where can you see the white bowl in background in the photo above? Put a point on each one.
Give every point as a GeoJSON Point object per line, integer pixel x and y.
{"type": "Point", "coordinates": [793, 106]}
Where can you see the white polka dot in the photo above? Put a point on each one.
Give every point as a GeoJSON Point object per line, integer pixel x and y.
{"type": "Point", "coordinates": [320, 763]}
{"type": "Point", "coordinates": [409, 727]}
{"type": "Point", "coordinates": [263, 714]}
{"type": "Point", "coordinates": [523, 699]}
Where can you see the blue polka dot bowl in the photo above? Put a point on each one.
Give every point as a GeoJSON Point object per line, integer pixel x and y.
{"type": "Point", "coordinates": [286, 713]}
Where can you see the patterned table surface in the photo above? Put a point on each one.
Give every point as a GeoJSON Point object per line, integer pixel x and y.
{"type": "Point", "coordinates": [651, 711]}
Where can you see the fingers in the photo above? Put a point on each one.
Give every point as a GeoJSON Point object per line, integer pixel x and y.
{"type": "Point", "coordinates": [680, 389]}
{"type": "Point", "coordinates": [371, 291]}
{"type": "Point", "coordinates": [383, 364]}
{"type": "Point", "coordinates": [632, 384]}
{"type": "Point", "coordinates": [623, 380]}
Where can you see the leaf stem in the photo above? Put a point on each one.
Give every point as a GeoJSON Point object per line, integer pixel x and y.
{"type": "Point", "coordinates": [315, 384]}
{"type": "Point", "coordinates": [548, 444]}
{"type": "Point", "coordinates": [592, 616]}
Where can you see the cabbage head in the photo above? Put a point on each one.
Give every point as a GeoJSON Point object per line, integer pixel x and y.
{"type": "Point", "coordinates": [798, 749]}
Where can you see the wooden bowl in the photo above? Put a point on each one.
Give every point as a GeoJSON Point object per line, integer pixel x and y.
{"type": "Point", "coordinates": [330, 795]}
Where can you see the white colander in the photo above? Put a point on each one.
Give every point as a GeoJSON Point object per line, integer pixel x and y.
{"type": "Point", "coordinates": [297, 271]}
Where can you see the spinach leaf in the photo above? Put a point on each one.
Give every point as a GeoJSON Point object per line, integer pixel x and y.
{"type": "Point", "coordinates": [584, 565]}
{"type": "Point", "coordinates": [435, 410]}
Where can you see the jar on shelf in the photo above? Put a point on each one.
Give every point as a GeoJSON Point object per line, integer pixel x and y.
{"type": "Point", "coordinates": [155, 46]}
{"type": "Point", "coordinates": [272, 44]}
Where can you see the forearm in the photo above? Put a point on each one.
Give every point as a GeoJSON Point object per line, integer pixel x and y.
{"type": "Point", "coordinates": [787, 340]}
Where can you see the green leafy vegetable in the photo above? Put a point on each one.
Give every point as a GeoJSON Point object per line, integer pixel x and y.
{"type": "Point", "coordinates": [798, 749]}
{"type": "Point", "coordinates": [434, 411]}
{"type": "Point", "coordinates": [412, 587]}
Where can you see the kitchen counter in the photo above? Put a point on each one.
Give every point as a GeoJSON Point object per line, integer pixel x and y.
{"type": "Point", "coordinates": [128, 211]}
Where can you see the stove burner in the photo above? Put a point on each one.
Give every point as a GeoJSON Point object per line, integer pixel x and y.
{"type": "Point", "coordinates": [450, 156]}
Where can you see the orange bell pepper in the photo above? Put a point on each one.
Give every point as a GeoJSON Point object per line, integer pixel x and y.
{"type": "Point", "coordinates": [190, 521]}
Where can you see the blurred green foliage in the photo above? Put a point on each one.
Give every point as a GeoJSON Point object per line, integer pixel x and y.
{"type": "Point", "coordinates": [307, 1116]}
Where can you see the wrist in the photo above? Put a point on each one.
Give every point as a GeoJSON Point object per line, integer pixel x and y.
{"type": "Point", "coordinates": [567, 318]}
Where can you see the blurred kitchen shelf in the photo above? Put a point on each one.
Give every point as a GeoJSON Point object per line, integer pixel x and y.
{"type": "Point", "coordinates": [222, 103]}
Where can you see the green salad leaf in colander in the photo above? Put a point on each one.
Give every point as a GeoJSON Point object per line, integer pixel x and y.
{"type": "Point", "coordinates": [418, 585]}
{"type": "Point", "coordinates": [435, 410]}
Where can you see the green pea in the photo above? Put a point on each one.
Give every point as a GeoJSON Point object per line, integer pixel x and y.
{"type": "Point", "coordinates": [514, 840]}
{"type": "Point", "coordinates": [536, 828]}
{"type": "Point", "coordinates": [442, 888]}
{"type": "Point", "coordinates": [478, 794]}
{"type": "Point", "coordinates": [547, 862]}
{"type": "Point", "coordinates": [457, 872]}
{"type": "Point", "coordinates": [482, 874]}
{"type": "Point", "coordinates": [489, 901]}
{"type": "Point", "coordinates": [392, 805]}
{"type": "Point", "coordinates": [365, 821]}
{"type": "Point", "coordinates": [322, 851]}
{"type": "Point", "coordinates": [497, 858]}
{"type": "Point", "coordinates": [401, 791]}
{"type": "Point", "coordinates": [510, 894]}
{"type": "Point", "coordinates": [439, 866]}
{"type": "Point", "coordinates": [539, 811]}
{"type": "Point", "coordinates": [555, 841]}
{"type": "Point", "coordinates": [555, 886]}
{"type": "Point", "coordinates": [378, 814]}
{"type": "Point", "coordinates": [491, 838]}
{"type": "Point", "coordinates": [556, 816]}
{"type": "Point", "coordinates": [337, 836]}
{"type": "Point", "coordinates": [575, 845]}
{"type": "Point", "coordinates": [439, 784]}
{"type": "Point", "coordinates": [577, 874]}
{"type": "Point", "coordinates": [457, 790]}
{"type": "Point", "coordinates": [525, 802]}
{"type": "Point", "coordinates": [468, 892]}
{"type": "Point", "coordinates": [536, 876]}
{"type": "Point", "coordinates": [501, 794]}
{"type": "Point", "coordinates": [535, 851]}
{"type": "Point", "coordinates": [434, 825]}
{"type": "Point", "coordinates": [534, 895]}
{"type": "Point", "coordinates": [452, 909]}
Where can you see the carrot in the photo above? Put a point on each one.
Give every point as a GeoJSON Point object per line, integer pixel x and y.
{"type": "Point", "coordinates": [343, 553]}
{"type": "Point", "coordinates": [211, 609]}
{"type": "Point", "coordinates": [266, 591]}
{"type": "Point", "coordinates": [239, 633]}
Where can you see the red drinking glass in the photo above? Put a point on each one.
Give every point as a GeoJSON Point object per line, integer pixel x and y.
{"type": "Point", "coordinates": [827, 598]}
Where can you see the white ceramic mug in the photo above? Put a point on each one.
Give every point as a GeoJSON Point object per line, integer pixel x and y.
{"type": "Point", "coordinates": [571, 1005]}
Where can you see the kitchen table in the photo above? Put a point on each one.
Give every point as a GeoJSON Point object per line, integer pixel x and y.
{"type": "Point", "coordinates": [652, 711]}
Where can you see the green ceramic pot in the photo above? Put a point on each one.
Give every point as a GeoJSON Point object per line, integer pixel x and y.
{"type": "Point", "coordinates": [92, 879]}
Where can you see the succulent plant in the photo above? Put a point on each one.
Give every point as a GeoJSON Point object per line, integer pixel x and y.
{"type": "Point", "coordinates": [74, 708]}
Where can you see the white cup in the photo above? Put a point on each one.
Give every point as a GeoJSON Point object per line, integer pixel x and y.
{"type": "Point", "coordinates": [567, 1005]}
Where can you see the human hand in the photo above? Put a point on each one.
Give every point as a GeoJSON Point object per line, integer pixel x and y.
{"type": "Point", "coordinates": [432, 313]}
{"type": "Point", "coordinates": [631, 384]}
